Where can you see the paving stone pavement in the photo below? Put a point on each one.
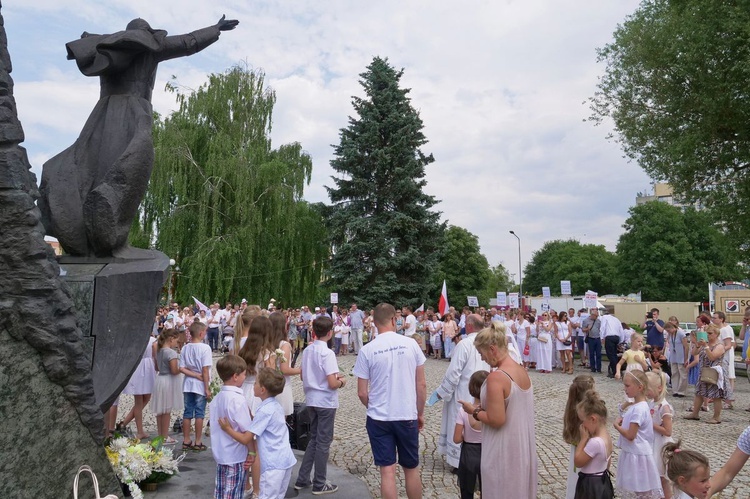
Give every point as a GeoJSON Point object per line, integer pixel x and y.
{"type": "Point", "coordinates": [351, 451]}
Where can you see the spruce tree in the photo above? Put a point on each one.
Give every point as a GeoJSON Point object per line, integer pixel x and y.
{"type": "Point", "coordinates": [385, 238]}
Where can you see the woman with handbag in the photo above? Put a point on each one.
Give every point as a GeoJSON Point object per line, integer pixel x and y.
{"type": "Point", "coordinates": [564, 342]}
{"type": "Point", "coordinates": [544, 342]}
{"type": "Point", "coordinates": [709, 354]}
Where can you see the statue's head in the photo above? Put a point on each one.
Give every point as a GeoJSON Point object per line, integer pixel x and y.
{"type": "Point", "coordinates": [139, 24]}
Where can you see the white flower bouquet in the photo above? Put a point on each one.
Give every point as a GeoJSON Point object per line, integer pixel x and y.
{"type": "Point", "coordinates": [136, 464]}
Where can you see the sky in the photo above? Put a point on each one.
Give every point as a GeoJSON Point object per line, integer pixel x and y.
{"type": "Point", "coordinates": [501, 86]}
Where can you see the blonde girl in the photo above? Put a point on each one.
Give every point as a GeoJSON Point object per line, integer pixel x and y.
{"type": "Point", "coordinates": [168, 385]}
{"type": "Point", "coordinates": [662, 415]}
{"type": "Point", "coordinates": [636, 470]}
{"type": "Point", "coordinates": [594, 449]}
{"type": "Point", "coordinates": [634, 357]}
{"type": "Point", "coordinates": [571, 425]}
{"type": "Point", "coordinates": [688, 470]}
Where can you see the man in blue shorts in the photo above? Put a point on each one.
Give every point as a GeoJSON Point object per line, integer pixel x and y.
{"type": "Point", "coordinates": [386, 367]}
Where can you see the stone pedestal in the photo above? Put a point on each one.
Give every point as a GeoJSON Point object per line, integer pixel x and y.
{"type": "Point", "coordinates": [115, 301]}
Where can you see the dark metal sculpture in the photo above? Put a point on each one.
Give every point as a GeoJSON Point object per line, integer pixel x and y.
{"type": "Point", "coordinates": [90, 192]}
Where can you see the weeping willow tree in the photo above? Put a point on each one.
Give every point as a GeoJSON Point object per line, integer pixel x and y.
{"type": "Point", "coordinates": [225, 205]}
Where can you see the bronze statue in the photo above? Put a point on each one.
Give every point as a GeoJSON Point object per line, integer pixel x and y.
{"type": "Point", "coordinates": [91, 191]}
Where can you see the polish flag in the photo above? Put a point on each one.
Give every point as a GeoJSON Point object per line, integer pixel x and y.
{"type": "Point", "coordinates": [200, 305]}
{"type": "Point", "coordinates": [420, 309]}
{"type": "Point", "coordinates": [443, 303]}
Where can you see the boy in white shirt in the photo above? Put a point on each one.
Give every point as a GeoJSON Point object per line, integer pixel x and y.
{"type": "Point", "coordinates": [195, 364]}
{"type": "Point", "coordinates": [230, 405]}
{"type": "Point", "coordinates": [269, 426]}
{"type": "Point", "coordinates": [320, 380]}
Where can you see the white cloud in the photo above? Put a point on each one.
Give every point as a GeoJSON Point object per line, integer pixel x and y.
{"type": "Point", "coordinates": [500, 87]}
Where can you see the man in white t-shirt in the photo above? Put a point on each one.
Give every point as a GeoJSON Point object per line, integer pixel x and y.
{"type": "Point", "coordinates": [410, 322]}
{"type": "Point", "coordinates": [386, 368]}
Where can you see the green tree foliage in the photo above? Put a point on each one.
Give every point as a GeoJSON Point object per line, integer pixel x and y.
{"type": "Point", "coordinates": [464, 267]}
{"type": "Point", "coordinates": [586, 266]}
{"type": "Point", "coordinates": [499, 281]}
{"type": "Point", "coordinates": [675, 85]}
{"type": "Point", "coordinates": [225, 205]}
{"type": "Point", "coordinates": [384, 236]}
{"type": "Point", "coordinates": [668, 254]}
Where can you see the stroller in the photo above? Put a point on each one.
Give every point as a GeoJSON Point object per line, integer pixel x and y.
{"type": "Point", "coordinates": [227, 339]}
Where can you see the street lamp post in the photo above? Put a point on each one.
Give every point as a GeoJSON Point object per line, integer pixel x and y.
{"type": "Point", "coordinates": [520, 276]}
{"type": "Point", "coordinates": [169, 284]}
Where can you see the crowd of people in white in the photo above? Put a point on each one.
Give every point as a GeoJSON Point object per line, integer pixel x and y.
{"type": "Point", "coordinates": [485, 370]}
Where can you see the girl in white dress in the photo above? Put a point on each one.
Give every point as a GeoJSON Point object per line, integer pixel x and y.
{"type": "Point", "coordinates": [662, 414]}
{"type": "Point", "coordinates": [688, 470]}
{"type": "Point", "coordinates": [140, 386]}
{"type": "Point", "coordinates": [257, 354]}
{"type": "Point", "coordinates": [279, 337]}
{"type": "Point", "coordinates": [637, 476]}
{"type": "Point", "coordinates": [544, 338]}
{"type": "Point", "coordinates": [168, 385]}
{"type": "Point", "coordinates": [243, 326]}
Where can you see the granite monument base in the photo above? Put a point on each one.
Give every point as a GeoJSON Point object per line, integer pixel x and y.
{"type": "Point", "coordinates": [115, 301]}
{"type": "Point", "coordinates": [43, 441]}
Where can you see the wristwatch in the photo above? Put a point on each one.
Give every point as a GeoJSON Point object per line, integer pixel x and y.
{"type": "Point", "coordinates": [476, 412]}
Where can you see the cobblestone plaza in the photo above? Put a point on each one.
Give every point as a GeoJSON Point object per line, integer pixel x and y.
{"type": "Point", "coordinates": [351, 451]}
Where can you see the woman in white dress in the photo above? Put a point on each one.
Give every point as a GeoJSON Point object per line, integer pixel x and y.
{"type": "Point", "coordinates": [141, 386]}
{"type": "Point", "coordinates": [522, 335]}
{"type": "Point", "coordinates": [544, 338]}
{"type": "Point", "coordinates": [533, 342]}
{"type": "Point", "coordinates": [563, 333]}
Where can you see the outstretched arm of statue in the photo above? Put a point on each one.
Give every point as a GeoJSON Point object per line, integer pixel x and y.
{"type": "Point", "coordinates": [190, 43]}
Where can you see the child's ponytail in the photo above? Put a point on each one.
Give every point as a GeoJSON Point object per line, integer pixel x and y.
{"type": "Point", "coordinates": [681, 462]}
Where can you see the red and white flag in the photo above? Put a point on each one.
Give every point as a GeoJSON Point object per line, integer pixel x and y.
{"type": "Point", "coordinates": [200, 305]}
{"type": "Point", "coordinates": [443, 303]}
{"type": "Point", "coordinates": [420, 309]}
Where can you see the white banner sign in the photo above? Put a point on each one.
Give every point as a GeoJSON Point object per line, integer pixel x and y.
{"type": "Point", "coordinates": [545, 292]}
{"type": "Point", "coordinates": [589, 299]}
{"type": "Point", "coordinates": [545, 307]}
{"type": "Point", "coordinates": [472, 301]}
{"type": "Point", "coordinates": [334, 297]}
{"type": "Point", "coordinates": [513, 300]}
{"type": "Point", "coordinates": [565, 288]}
{"type": "Point", "coordinates": [501, 299]}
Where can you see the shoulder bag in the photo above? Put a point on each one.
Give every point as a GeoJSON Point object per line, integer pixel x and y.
{"type": "Point", "coordinates": [709, 375]}
{"type": "Point", "coordinates": [88, 469]}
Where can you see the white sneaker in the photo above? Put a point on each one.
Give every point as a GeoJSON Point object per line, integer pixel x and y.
{"type": "Point", "coordinates": [328, 488]}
